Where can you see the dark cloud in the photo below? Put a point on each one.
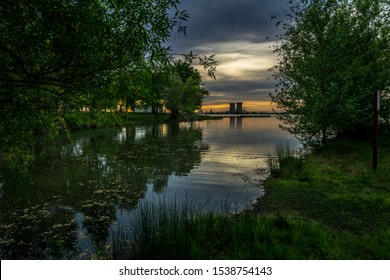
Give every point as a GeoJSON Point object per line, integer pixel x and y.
{"type": "Point", "coordinates": [234, 86]}
{"type": "Point", "coordinates": [260, 94]}
{"type": "Point", "coordinates": [229, 20]}
{"type": "Point", "coordinates": [235, 31]}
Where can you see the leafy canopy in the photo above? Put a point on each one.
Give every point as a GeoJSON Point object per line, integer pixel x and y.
{"type": "Point", "coordinates": [333, 54]}
{"type": "Point", "coordinates": [63, 55]}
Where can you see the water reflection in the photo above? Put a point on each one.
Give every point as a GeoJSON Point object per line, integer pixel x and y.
{"type": "Point", "coordinates": [78, 192]}
{"type": "Point", "coordinates": [122, 136]}
{"type": "Point", "coordinates": [232, 122]}
{"type": "Point", "coordinates": [140, 133]}
{"type": "Point", "coordinates": [235, 122]}
{"type": "Point", "coordinates": [239, 123]}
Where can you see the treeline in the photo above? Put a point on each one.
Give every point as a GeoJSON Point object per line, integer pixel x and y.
{"type": "Point", "coordinates": [66, 56]}
{"type": "Point", "coordinates": [333, 56]}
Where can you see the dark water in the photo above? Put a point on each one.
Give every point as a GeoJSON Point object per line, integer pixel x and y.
{"type": "Point", "coordinates": [79, 192]}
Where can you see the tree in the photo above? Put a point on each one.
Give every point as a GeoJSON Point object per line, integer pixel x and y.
{"type": "Point", "coordinates": [61, 55]}
{"type": "Point", "coordinates": [130, 87]}
{"type": "Point", "coordinates": [330, 62]}
{"type": "Point", "coordinates": [184, 92]}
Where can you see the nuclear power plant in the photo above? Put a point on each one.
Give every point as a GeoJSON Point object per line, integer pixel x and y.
{"type": "Point", "coordinates": [236, 108]}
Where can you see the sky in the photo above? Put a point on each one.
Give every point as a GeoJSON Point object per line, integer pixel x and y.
{"type": "Point", "coordinates": [236, 32]}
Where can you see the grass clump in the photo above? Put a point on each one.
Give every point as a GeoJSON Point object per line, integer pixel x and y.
{"type": "Point", "coordinates": [174, 231]}
{"type": "Point", "coordinates": [287, 162]}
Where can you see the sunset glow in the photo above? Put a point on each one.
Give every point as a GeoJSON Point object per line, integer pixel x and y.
{"type": "Point", "coordinates": [241, 47]}
{"type": "Point", "coordinates": [249, 106]}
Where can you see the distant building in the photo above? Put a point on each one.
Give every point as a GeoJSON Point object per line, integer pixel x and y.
{"type": "Point", "coordinates": [239, 108]}
{"type": "Point", "coordinates": [232, 108]}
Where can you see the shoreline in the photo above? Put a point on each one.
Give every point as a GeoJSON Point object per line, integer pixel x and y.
{"type": "Point", "coordinates": [317, 210]}
{"type": "Point", "coordinates": [240, 115]}
{"type": "Point", "coordinates": [330, 207]}
{"type": "Point", "coordinates": [86, 120]}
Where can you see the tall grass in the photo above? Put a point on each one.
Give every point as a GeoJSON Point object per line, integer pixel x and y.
{"type": "Point", "coordinates": [287, 160]}
{"type": "Point", "coordinates": [177, 230]}
{"type": "Point", "coordinates": [155, 226]}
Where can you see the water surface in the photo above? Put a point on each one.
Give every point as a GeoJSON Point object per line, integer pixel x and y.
{"type": "Point", "coordinates": [80, 192]}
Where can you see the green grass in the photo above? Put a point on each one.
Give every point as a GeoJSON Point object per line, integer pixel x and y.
{"type": "Point", "coordinates": [179, 232]}
{"type": "Point", "coordinates": [169, 234]}
{"type": "Point", "coordinates": [340, 192]}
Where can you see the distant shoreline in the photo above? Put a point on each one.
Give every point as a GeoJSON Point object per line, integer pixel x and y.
{"type": "Point", "coordinates": [240, 115]}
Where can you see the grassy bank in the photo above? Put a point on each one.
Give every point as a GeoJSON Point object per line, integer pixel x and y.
{"type": "Point", "coordinates": [336, 188]}
{"type": "Point", "coordinates": [329, 205]}
{"type": "Point", "coordinates": [85, 120]}
{"type": "Point", "coordinates": [211, 236]}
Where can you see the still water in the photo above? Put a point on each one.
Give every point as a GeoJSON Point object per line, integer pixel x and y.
{"type": "Point", "coordinates": [79, 192]}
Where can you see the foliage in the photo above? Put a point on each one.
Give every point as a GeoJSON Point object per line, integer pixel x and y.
{"type": "Point", "coordinates": [130, 87]}
{"type": "Point", "coordinates": [184, 92]}
{"type": "Point", "coordinates": [175, 86]}
{"type": "Point", "coordinates": [58, 57]}
{"type": "Point", "coordinates": [333, 56]}
{"type": "Point", "coordinates": [384, 111]}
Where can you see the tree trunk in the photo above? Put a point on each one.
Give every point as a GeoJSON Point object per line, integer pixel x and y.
{"type": "Point", "coordinates": [324, 137]}
{"type": "Point", "coordinates": [155, 111]}
{"type": "Point", "coordinates": [174, 115]}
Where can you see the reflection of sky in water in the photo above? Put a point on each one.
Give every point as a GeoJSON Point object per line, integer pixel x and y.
{"type": "Point", "coordinates": [122, 136]}
{"type": "Point", "coordinates": [103, 165]}
{"type": "Point", "coordinates": [228, 176]}
{"type": "Point", "coordinates": [77, 149]}
{"type": "Point", "coordinates": [92, 185]}
{"type": "Point", "coordinates": [84, 241]}
{"type": "Point", "coordinates": [164, 130]}
{"type": "Point", "coordinates": [140, 133]}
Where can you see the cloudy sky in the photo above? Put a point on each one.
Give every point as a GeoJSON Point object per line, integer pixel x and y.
{"type": "Point", "coordinates": [236, 32]}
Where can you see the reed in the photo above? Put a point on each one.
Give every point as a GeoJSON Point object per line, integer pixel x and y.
{"type": "Point", "coordinates": [287, 160]}
{"type": "Point", "coordinates": [177, 230]}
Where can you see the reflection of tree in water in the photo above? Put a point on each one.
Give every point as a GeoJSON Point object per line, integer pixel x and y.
{"type": "Point", "coordinates": [94, 176]}
{"type": "Point", "coordinates": [159, 157]}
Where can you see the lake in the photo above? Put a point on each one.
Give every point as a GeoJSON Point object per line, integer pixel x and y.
{"type": "Point", "coordinates": [79, 193]}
